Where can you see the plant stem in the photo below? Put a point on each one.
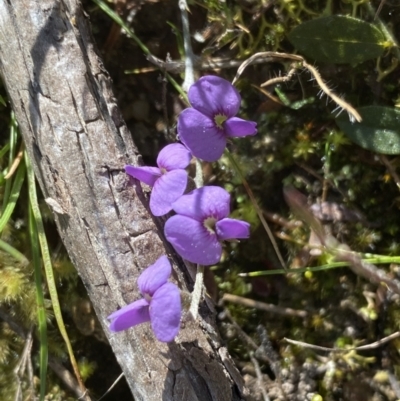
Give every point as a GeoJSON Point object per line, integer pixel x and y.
{"type": "Point", "coordinates": [17, 255]}
{"type": "Point", "coordinates": [189, 62]}
{"type": "Point", "coordinates": [257, 208]}
{"type": "Point", "coordinates": [41, 311]}
{"type": "Point", "coordinates": [197, 292]}
{"type": "Point", "coordinates": [13, 196]}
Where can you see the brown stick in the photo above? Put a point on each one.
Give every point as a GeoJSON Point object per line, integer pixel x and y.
{"type": "Point", "coordinates": [263, 306]}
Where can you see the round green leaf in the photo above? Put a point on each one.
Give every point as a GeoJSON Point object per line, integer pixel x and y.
{"type": "Point", "coordinates": [378, 131]}
{"type": "Point", "coordinates": [338, 39]}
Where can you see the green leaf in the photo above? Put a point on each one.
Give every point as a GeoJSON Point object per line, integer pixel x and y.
{"type": "Point", "coordinates": [338, 39]}
{"type": "Point", "coordinates": [378, 131]}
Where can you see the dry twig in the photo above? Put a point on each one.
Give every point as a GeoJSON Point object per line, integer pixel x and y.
{"type": "Point", "coordinates": [279, 310]}
{"type": "Point", "coordinates": [373, 345]}
{"type": "Point", "coordinates": [199, 63]}
{"type": "Point", "coordinates": [21, 366]}
{"type": "Point", "coordinates": [259, 378]}
{"type": "Point", "coordinates": [16, 162]}
{"type": "Point", "coordinates": [299, 62]}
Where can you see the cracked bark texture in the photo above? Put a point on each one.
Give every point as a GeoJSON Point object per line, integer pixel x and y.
{"type": "Point", "coordinates": [79, 145]}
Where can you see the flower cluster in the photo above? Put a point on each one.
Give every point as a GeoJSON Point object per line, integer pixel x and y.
{"type": "Point", "coordinates": [160, 305]}
{"type": "Point", "coordinates": [201, 221]}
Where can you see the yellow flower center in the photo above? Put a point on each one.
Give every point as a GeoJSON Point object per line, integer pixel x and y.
{"type": "Point", "coordinates": [219, 119]}
{"type": "Point", "coordinates": [209, 224]}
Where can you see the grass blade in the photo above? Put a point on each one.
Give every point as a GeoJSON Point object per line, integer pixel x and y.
{"type": "Point", "coordinates": [118, 20]}
{"type": "Point", "coordinates": [4, 150]}
{"type": "Point", "coordinates": [49, 272]}
{"type": "Point", "coordinates": [12, 142]}
{"type": "Point", "coordinates": [42, 324]}
{"type": "Point", "coordinates": [12, 196]}
{"type": "Point", "coordinates": [256, 207]}
{"type": "Point", "coordinates": [333, 265]}
{"type": "Point", "coordinates": [15, 253]}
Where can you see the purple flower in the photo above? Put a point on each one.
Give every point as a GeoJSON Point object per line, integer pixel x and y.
{"type": "Point", "coordinates": [201, 224]}
{"type": "Point", "coordinates": [205, 127]}
{"type": "Point", "coordinates": [161, 304]}
{"type": "Point", "coordinates": [168, 180]}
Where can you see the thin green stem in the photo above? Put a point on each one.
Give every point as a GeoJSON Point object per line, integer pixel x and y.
{"type": "Point", "coordinates": [17, 255]}
{"type": "Point", "coordinates": [13, 142]}
{"type": "Point", "coordinates": [4, 149]}
{"type": "Point", "coordinates": [256, 207]}
{"type": "Point", "coordinates": [178, 88]}
{"type": "Point", "coordinates": [388, 35]}
{"type": "Point", "coordinates": [333, 265]}
{"type": "Point", "coordinates": [13, 196]}
{"type": "Point", "coordinates": [41, 311]}
{"type": "Point", "coordinates": [117, 19]}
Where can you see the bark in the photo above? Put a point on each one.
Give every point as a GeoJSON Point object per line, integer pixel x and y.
{"type": "Point", "coordinates": [79, 145]}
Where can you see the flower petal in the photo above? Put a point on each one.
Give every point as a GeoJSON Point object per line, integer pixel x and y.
{"type": "Point", "coordinates": [174, 156]}
{"type": "Point", "coordinates": [148, 175]}
{"type": "Point", "coordinates": [165, 312]}
{"type": "Point", "coordinates": [209, 201]}
{"type": "Point", "coordinates": [200, 135]}
{"type": "Point", "coordinates": [192, 241]}
{"type": "Point", "coordinates": [237, 127]}
{"type": "Point", "coordinates": [213, 95]}
{"type": "Point", "coordinates": [154, 276]}
{"type": "Point", "coordinates": [232, 228]}
{"type": "Point", "coordinates": [167, 189]}
{"type": "Point", "coordinates": [130, 315]}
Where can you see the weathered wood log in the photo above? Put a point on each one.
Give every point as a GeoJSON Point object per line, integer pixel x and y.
{"type": "Point", "coordinates": [79, 145]}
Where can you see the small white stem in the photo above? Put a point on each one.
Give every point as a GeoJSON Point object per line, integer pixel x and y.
{"type": "Point", "coordinates": [197, 292]}
{"type": "Point", "coordinates": [189, 58]}
{"type": "Point", "coordinates": [198, 178]}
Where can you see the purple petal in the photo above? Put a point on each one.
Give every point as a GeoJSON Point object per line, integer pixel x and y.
{"type": "Point", "coordinates": [232, 228]}
{"type": "Point", "coordinates": [167, 189]}
{"type": "Point", "coordinates": [130, 315]}
{"type": "Point", "coordinates": [174, 156]}
{"type": "Point", "coordinates": [209, 201]}
{"type": "Point", "coordinates": [237, 127]}
{"type": "Point", "coordinates": [213, 95]}
{"type": "Point", "coordinates": [154, 276]}
{"type": "Point", "coordinates": [165, 312]}
{"type": "Point", "coordinates": [148, 175]}
{"type": "Point", "coordinates": [192, 240]}
{"type": "Point", "coordinates": [200, 134]}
